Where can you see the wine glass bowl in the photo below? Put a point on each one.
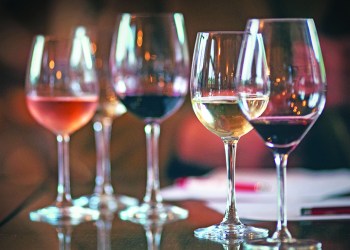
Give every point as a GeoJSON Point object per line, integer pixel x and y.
{"type": "Point", "coordinates": [281, 63]}
{"type": "Point", "coordinates": [214, 99]}
{"type": "Point", "coordinates": [150, 66]}
{"type": "Point", "coordinates": [62, 95]}
{"type": "Point", "coordinates": [108, 109]}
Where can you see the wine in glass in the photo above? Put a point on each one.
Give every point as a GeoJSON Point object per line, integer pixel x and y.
{"type": "Point", "coordinates": [109, 108]}
{"type": "Point", "coordinates": [62, 96]}
{"type": "Point", "coordinates": [150, 71]}
{"type": "Point", "coordinates": [281, 62]}
{"type": "Point", "coordinates": [215, 102]}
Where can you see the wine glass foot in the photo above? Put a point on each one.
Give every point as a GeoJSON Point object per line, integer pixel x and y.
{"type": "Point", "coordinates": [148, 214]}
{"type": "Point", "coordinates": [230, 234]}
{"type": "Point", "coordinates": [105, 201]}
{"type": "Point", "coordinates": [71, 215]}
{"type": "Point", "coordinates": [292, 244]}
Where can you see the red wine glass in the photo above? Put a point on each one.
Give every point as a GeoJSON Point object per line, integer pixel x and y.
{"type": "Point", "coordinates": [281, 62]}
{"type": "Point", "coordinates": [62, 96]}
{"type": "Point", "coordinates": [150, 69]}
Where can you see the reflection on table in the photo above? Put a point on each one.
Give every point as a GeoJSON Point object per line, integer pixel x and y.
{"type": "Point", "coordinates": [18, 232]}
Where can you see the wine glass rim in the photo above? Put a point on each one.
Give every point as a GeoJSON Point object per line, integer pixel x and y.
{"type": "Point", "coordinates": [151, 14]}
{"type": "Point", "coordinates": [224, 32]}
{"type": "Point", "coordinates": [51, 37]}
{"type": "Point", "coordinates": [54, 38]}
{"type": "Point", "coordinates": [77, 30]}
{"type": "Point", "coordinates": [289, 19]}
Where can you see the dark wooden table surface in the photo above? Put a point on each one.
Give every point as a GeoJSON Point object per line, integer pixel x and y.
{"type": "Point", "coordinates": [17, 231]}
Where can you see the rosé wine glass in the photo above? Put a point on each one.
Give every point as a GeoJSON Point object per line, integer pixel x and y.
{"type": "Point", "coordinates": [62, 95]}
{"type": "Point", "coordinates": [281, 62]}
{"type": "Point", "coordinates": [150, 69]}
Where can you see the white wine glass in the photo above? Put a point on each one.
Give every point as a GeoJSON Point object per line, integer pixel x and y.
{"type": "Point", "coordinates": [62, 95]}
{"type": "Point", "coordinates": [281, 62]}
{"type": "Point", "coordinates": [108, 109]}
{"type": "Point", "coordinates": [215, 102]}
{"type": "Point", "coordinates": [150, 71]}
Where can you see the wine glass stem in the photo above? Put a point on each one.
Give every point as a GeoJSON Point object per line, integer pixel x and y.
{"type": "Point", "coordinates": [153, 236]}
{"type": "Point", "coordinates": [63, 189]}
{"type": "Point", "coordinates": [152, 196]}
{"type": "Point", "coordinates": [104, 227]}
{"type": "Point", "coordinates": [64, 237]}
{"type": "Point", "coordinates": [282, 233]}
{"type": "Point", "coordinates": [231, 216]}
{"type": "Point", "coordinates": [231, 247]}
{"type": "Point", "coordinates": [102, 127]}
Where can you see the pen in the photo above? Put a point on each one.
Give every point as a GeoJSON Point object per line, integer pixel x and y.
{"type": "Point", "coordinates": [326, 210]}
{"type": "Point", "coordinates": [239, 186]}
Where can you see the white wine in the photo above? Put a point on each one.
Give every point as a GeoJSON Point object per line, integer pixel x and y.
{"type": "Point", "coordinates": [110, 108]}
{"type": "Point", "coordinates": [223, 116]}
{"type": "Point", "coordinates": [109, 105]}
{"type": "Point", "coordinates": [254, 105]}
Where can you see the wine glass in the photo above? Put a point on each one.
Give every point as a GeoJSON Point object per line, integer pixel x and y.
{"type": "Point", "coordinates": [62, 96]}
{"type": "Point", "coordinates": [109, 108]}
{"type": "Point", "coordinates": [150, 70]}
{"type": "Point", "coordinates": [281, 64]}
{"type": "Point", "coordinates": [215, 102]}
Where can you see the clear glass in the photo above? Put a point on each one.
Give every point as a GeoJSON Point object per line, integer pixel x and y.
{"type": "Point", "coordinates": [215, 103]}
{"type": "Point", "coordinates": [150, 71]}
{"type": "Point", "coordinates": [64, 235]}
{"type": "Point", "coordinates": [62, 96]}
{"type": "Point", "coordinates": [153, 235]}
{"type": "Point", "coordinates": [108, 109]}
{"type": "Point", "coordinates": [104, 228]}
{"type": "Point", "coordinates": [153, 232]}
{"type": "Point", "coordinates": [281, 80]}
{"type": "Point", "coordinates": [236, 246]}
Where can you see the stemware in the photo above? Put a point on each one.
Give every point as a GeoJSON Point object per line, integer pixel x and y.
{"type": "Point", "coordinates": [281, 63]}
{"type": "Point", "coordinates": [150, 70]}
{"type": "Point", "coordinates": [215, 103]}
{"type": "Point", "coordinates": [62, 95]}
{"type": "Point", "coordinates": [104, 227]}
{"type": "Point", "coordinates": [109, 108]}
{"type": "Point", "coordinates": [153, 232]}
{"type": "Point", "coordinates": [64, 235]}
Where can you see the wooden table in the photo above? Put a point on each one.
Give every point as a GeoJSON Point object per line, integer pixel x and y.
{"type": "Point", "coordinates": [17, 231]}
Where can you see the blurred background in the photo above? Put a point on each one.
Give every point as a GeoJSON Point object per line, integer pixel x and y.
{"type": "Point", "coordinates": [28, 151]}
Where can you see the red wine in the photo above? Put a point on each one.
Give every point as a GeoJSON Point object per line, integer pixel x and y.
{"type": "Point", "coordinates": [281, 134]}
{"type": "Point", "coordinates": [152, 106]}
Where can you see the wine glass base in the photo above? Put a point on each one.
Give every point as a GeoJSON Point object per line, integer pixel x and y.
{"type": "Point", "coordinates": [230, 234]}
{"type": "Point", "coordinates": [105, 201]}
{"type": "Point", "coordinates": [292, 244]}
{"type": "Point", "coordinates": [71, 215]}
{"type": "Point", "coordinates": [148, 214]}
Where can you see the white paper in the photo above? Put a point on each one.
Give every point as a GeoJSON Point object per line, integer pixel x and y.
{"type": "Point", "coordinates": [304, 189]}
{"type": "Point", "coordinates": [268, 211]}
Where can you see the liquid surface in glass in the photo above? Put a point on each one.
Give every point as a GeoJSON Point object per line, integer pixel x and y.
{"type": "Point", "coordinates": [152, 106]}
{"type": "Point", "coordinates": [282, 134]}
{"type": "Point", "coordinates": [62, 115]}
{"type": "Point", "coordinates": [222, 115]}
